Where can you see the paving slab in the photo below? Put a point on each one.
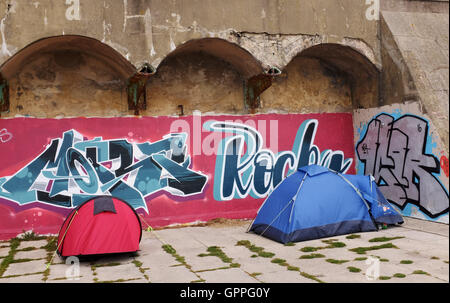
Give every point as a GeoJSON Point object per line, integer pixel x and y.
{"type": "Point", "coordinates": [230, 275]}
{"type": "Point", "coordinates": [37, 278]}
{"type": "Point", "coordinates": [25, 268]}
{"type": "Point", "coordinates": [176, 274]}
{"type": "Point", "coordinates": [284, 276]}
{"type": "Point", "coordinates": [36, 244]}
{"type": "Point", "coordinates": [141, 280]}
{"type": "Point", "coordinates": [201, 263]}
{"type": "Point", "coordinates": [68, 273]}
{"type": "Point", "coordinates": [4, 251]}
{"type": "Point", "coordinates": [32, 254]}
{"type": "Point", "coordinates": [424, 243]}
{"type": "Point", "coordinates": [213, 237]}
{"type": "Point", "coordinates": [118, 272]}
{"type": "Point", "coordinates": [149, 245]}
{"type": "Point", "coordinates": [156, 258]}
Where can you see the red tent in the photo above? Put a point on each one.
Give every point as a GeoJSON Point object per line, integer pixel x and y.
{"type": "Point", "coordinates": [101, 225]}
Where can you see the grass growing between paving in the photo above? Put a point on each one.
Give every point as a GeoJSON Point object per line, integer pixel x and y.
{"type": "Point", "coordinates": [353, 236]}
{"type": "Point", "coordinates": [363, 250]}
{"type": "Point", "coordinates": [13, 249]}
{"type": "Point", "coordinates": [281, 262]}
{"type": "Point", "coordinates": [171, 251]}
{"type": "Point", "coordinates": [353, 269]}
{"type": "Point", "coordinates": [312, 256]}
{"type": "Point", "coordinates": [401, 275]}
{"type": "Point", "coordinates": [334, 261]}
{"type": "Point", "coordinates": [256, 249]}
{"type": "Point", "coordinates": [332, 243]}
{"type": "Point", "coordinates": [384, 239]}
{"type": "Point", "coordinates": [13, 244]}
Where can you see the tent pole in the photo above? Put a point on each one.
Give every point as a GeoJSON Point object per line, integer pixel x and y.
{"type": "Point", "coordinates": [292, 200]}
{"type": "Point", "coordinates": [362, 198]}
{"type": "Point", "coordinates": [276, 217]}
{"type": "Point", "coordinates": [295, 197]}
{"type": "Point", "coordinates": [248, 228]}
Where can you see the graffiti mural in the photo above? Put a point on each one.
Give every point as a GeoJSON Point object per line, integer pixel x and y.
{"type": "Point", "coordinates": [172, 170]}
{"type": "Point", "coordinates": [5, 136]}
{"type": "Point", "coordinates": [394, 151]}
{"type": "Point", "coordinates": [72, 170]}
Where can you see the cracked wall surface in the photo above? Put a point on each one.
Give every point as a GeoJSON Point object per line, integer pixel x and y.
{"type": "Point", "coordinates": [146, 31]}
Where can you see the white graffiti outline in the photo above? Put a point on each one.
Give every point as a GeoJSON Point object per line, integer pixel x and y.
{"type": "Point", "coordinates": [4, 133]}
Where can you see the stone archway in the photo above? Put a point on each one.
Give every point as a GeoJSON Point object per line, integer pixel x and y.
{"type": "Point", "coordinates": [202, 74]}
{"type": "Point", "coordinates": [65, 76]}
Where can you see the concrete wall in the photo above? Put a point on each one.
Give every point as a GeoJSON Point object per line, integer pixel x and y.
{"type": "Point", "coordinates": [172, 170]}
{"type": "Point", "coordinates": [67, 83]}
{"type": "Point", "coordinates": [206, 48]}
{"type": "Point", "coordinates": [400, 146]}
{"type": "Point", "coordinates": [81, 58]}
{"type": "Point", "coordinates": [146, 31]}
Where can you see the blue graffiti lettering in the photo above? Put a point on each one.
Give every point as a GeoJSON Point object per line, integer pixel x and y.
{"type": "Point", "coordinates": [72, 170]}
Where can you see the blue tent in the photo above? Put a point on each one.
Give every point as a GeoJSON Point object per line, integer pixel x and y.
{"type": "Point", "coordinates": [316, 202]}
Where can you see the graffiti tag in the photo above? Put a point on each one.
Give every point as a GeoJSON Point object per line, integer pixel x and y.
{"type": "Point", "coordinates": [72, 170]}
{"type": "Point", "coordinates": [244, 168]}
{"type": "Point", "coordinates": [393, 151]}
{"type": "Point", "coordinates": [444, 165]}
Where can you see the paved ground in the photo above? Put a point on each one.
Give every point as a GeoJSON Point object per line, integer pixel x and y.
{"type": "Point", "coordinates": [416, 252]}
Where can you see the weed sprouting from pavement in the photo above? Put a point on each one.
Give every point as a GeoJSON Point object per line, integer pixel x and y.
{"type": "Point", "coordinates": [217, 252]}
{"type": "Point", "coordinates": [363, 250]}
{"type": "Point", "coordinates": [384, 277]}
{"type": "Point", "coordinates": [332, 243]}
{"type": "Point", "coordinates": [399, 275]}
{"type": "Point", "coordinates": [334, 261]}
{"type": "Point", "coordinates": [256, 249]}
{"type": "Point", "coordinates": [384, 239]}
{"type": "Point", "coordinates": [353, 269]}
{"type": "Point", "coordinates": [14, 243]}
{"type": "Point", "coordinates": [312, 256]}
{"type": "Point", "coordinates": [353, 236]}
{"type": "Point", "coordinates": [308, 249]}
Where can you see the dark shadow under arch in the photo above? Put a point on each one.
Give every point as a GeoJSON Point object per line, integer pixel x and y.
{"type": "Point", "coordinates": [87, 45]}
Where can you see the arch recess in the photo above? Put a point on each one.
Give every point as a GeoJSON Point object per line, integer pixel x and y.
{"type": "Point", "coordinates": [242, 60]}
{"type": "Point", "coordinates": [90, 46]}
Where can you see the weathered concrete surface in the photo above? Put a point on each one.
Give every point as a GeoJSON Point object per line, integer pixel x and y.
{"type": "Point", "coordinates": [311, 87]}
{"type": "Point", "coordinates": [382, 135]}
{"type": "Point", "coordinates": [430, 6]}
{"type": "Point", "coordinates": [146, 31]}
{"type": "Point", "coordinates": [415, 50]}
{"type": "Point", "coordinates": [420, 253]}
{"type": "Point", "coordinates": [64, 83]}
{"type": "Point", "coordinates": [23, 268]}
{"type": "Point", "coordinates": [60, 82]}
